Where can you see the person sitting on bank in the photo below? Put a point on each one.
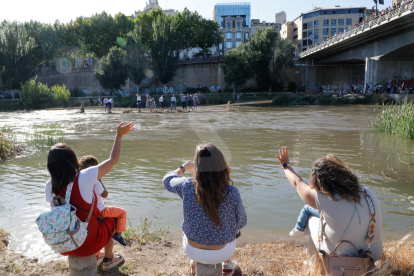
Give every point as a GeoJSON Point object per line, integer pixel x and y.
{"type": "Point", "coordinates": [63, 167]}
{"type": "Point", "coordinates": [335, 191]}
{"type": "Point", "coordinates": [212, 206]}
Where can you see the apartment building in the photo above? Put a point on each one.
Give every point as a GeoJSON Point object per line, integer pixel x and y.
{"type": "Point", "coordinates": [235, 31]}
{"type": "Point", "coordinates": [320, 23]}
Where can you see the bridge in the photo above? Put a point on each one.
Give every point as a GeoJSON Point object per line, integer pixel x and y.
{"type": "Point", "coordinates": [380, 49]}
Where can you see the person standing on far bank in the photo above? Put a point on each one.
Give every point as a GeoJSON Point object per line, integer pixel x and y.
{"type": "Point", "coordinates": [139, 103]}
{"type": "Point", "coordinates": [161, 100]}
{"type": "Point", "coordinates": [173, 102]}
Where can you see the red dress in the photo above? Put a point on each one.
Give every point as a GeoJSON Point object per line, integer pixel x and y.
{"type": "Point", "coordinates": [99, 233]}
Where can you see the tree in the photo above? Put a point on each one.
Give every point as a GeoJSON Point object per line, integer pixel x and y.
{"type": "Point", "coordinates": [112, 72]}
{"type": "Point", "coordinates": [207, 35]}
{"type": "Point", "coordinates": [162, 42]}
{"type": "Point", "coordinates": [17, 54]}
{"type": "Point", "coordinates": [260, 50]}
{"type": "Point", "coordinates": [236, 68]}
{"type": "Point", "coordinates": [136, 61]}
{"type": "Point", "coordinates": [283, 56]}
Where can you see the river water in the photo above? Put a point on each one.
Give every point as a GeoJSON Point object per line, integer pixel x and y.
{"type": "Point", "coordinates": [249, 137]}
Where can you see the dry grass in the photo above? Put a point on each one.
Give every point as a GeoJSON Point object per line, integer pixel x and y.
{"type": "Point", "coordinates": [167, 258]}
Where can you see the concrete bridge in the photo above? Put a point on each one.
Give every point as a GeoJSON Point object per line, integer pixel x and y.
{"type": "Point", "coordinates": [379, 50]}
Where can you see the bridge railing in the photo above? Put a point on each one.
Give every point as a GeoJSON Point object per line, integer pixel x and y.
{"type": "Point", "coordinates": [385, 17]}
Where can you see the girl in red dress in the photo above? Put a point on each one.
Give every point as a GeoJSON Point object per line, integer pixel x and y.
{"type": "Point", "coordinates": [63, 167]}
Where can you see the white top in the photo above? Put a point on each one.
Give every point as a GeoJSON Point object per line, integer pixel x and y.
{"type": "Point", "coordinates": [106, 100]}
{"type": "Point", "coordinates": [161, 99]}
{"type": "Point", "coordinates": [173, 99]}
{"type": "Point", "coordinates": [138, 98]}
{"type": "Point", "coordinates": [98, 188]}
{"type": "Point", "coordinates": [111, 101]}
{"type": "Point", "coordinates": [87, 179]}
{"type": "Point", "coordinates": [337, 215]}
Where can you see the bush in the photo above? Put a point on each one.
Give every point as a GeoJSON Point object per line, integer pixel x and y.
{"type": "Point", "coordinates": [35, 94]}
{"type": "Point", "coordinates": [292, 86]}
{"type": "Point", "coordinates": [76, 92]}
{"type": "Point", "coordinates": [61, 95]}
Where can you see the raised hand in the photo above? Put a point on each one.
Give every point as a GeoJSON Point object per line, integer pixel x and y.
{"type": "Point", "coordinates": [284, 158]}
{"type": "Point", "coordinates": [124, 129]}
{"type": "Point", "coordinates": [189, 166]}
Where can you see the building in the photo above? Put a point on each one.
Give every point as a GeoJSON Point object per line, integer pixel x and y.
{"type": "Point", "coordinates": [153, 5]}
{"type": "Point", "coordinates": [235, 31]}
{"type": "Point", "coordinates": [280, 19]}
{"type": "Point", "coordinates": [232, 9]}
{"type": "Point", "coordinates": [320, 23]}
{"type": "Point", "coordinates": [255, 24]}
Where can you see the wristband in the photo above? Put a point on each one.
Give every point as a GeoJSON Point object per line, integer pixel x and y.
{"type": "Point", "coordinates": [182, 168]}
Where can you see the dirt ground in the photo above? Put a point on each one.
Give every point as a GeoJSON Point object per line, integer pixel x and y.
{"type": "Point", "coordinates": [167, 258]}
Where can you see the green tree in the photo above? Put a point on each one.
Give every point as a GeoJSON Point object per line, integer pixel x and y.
{"type": "Point", "coordinates": [236, 68]}
{"type": "Point", "coordinates": [17, 54]}
{"type": "Point", "coordinates": [136, 61]}
{"type": "Point", "coordinates": [283, 56]}
{"type": "Point", "coordinates": [144, 30]}
{"type": "Point", "coordinates": [207, 35]}
{"type": "Point", "coordinates": [260, 49]}
{"type": "Point", "coordinates": [189, 22]}
{"type": "Point", "coordinates": [162, 42]}
{"type": "Point", "coordinates": [60, 94]}
{"type": "Point", "coordinates": [112, 72]}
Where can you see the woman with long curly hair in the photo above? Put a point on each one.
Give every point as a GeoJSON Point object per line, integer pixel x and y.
{"type": "Point", "coordinates": [335, 191]}
{"type": "Point", "coordinates": [212, 206]}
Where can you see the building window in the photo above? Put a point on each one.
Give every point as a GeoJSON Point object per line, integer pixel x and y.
{"type": "Point", "coordinates": [246, 36]}
{"type": "Point", "coordinates": [325, 31]}
{"type": "Point", "coordinates": [309, 42]}
{"type": "Point", "coordinates": [228, 35]}
{"type": "Point", "coordinates": [340, 22]}
{"type": "Point", "coordinates": [316, 23]}
{"type": "Point", "coordinates": [228, 25]}
{"type": "Point", "coordinates": [221, 46]}
{"type": "Point", "coordinates": [333, 22]}
{"type": "Point", "coordinates": [340, 30]}
{"type": "Point", "coordinates": [304, 49]}
{"type": "Point", "coordinates": [238, 25]}
{"type": "Point", "coordinates": [304, 34]}
{"type": "Point", "coordinates": [333, 31]}
{"type": "Point", "coordinates": [325, 38]}
{"type": "Point", "coordinates": [295, 29]}
{"type": "Point", "coordinates": [305, 42]}
{"type": "Point", "coordinates": [238, 35]}
{"type": "Point", "coordinates": [310, 25]}
{"type": "Point", "coordinates": [316, 35]}
{"type": "Point", "coordinates": [305, 26]}
{"type": "Point", "coordinates": [229, 44]}
{"type": "Point", "coordinates": [348, 21]}
{"type": "Point", "coordinates": [238, 43]}
{"type": "Point", "coordinates": [310, 34]}
{"type": "Point", "coordinates": [326, 22]}
{"type": "Point", "coordinates": [295, 37]}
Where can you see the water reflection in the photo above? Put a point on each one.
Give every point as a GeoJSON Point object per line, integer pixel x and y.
{"type": "Point", "coordinates": [249, 137]}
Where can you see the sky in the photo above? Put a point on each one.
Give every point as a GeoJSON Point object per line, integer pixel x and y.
{"type": "Point", "coordinates": [48, 11]}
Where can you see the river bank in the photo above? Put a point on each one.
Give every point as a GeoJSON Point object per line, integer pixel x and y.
{"type": "Point", "coordinates": [205, 99]}
{"type": "Point", "coordinates": [166, 257]}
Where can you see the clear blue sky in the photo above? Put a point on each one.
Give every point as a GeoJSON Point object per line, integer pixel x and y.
{"type": "Point", "coordinates": [48, 11]}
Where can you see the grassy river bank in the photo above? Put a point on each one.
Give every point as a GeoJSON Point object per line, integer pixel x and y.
{"type": "Point", "coordinates": [161, 256]}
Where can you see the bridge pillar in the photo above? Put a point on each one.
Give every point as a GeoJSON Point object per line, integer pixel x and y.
{"type": "Point", "coordinates": [371, 69]}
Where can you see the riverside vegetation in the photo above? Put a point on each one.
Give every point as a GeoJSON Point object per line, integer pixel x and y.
{"type": "Point", "coordinates": [12, 143]}
{"type": "Point", "coordinates": [149, 247]}
{"type": "Point", "coordinates": [396, 119]}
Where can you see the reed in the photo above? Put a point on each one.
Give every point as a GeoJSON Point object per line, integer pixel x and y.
{"type": "Point", "coordinates": [8, 145]}
{"type": "Point", "coordinates": [45, 135]}
{"type": "Point", "coordinates": [396, 119]}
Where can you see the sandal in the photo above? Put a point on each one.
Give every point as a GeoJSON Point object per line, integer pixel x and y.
{"type": "Point", "coordinates": [192, 267]}
{"type": "Point", "coordinates": [100, 257]}
{"type": "Point", "coordinates": [110, 263]}
{"type": "Point", "coordinates": [230, 268]}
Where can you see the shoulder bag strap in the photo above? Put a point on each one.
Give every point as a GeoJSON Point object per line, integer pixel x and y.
{"type": "Point", "coordinates": [371, 228]}
{"type": "Point", "coordinates": [88, 218]}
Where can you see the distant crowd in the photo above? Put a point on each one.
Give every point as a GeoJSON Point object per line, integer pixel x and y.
{"type": "Point", "coordinates": [192, 101]}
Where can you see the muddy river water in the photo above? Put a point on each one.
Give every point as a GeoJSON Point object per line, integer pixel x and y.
{"type": "Point", "coordinates": [249, 137]}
